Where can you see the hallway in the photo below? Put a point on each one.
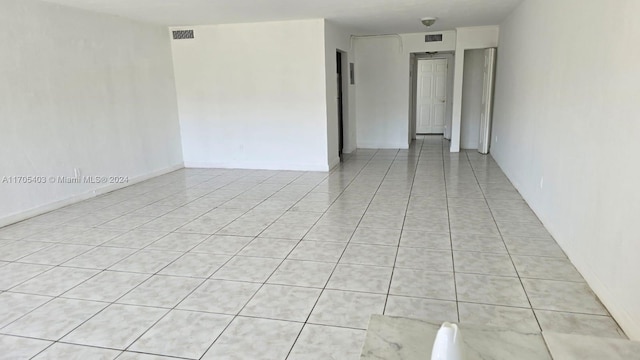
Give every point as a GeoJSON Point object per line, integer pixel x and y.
{"type": "Point", "coordinates": [289, 265]}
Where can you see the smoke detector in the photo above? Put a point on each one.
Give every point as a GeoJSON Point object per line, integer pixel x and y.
{"type": "Point", "coordinates": [428, 21]}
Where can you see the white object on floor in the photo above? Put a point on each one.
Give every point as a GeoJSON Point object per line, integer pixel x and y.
{"type": "Point", "coordinates": [448, 343]}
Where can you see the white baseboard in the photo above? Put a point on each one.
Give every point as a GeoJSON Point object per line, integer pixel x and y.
{"type": "Point", "coordinates": [39, 210]}
{"type": "Point", "coordinates": [349, 150]}
{"type": "Point", "coordinates": [334, 163]}
{"type": "Point", "coordinates": [257, 166]}
{"type": "Point", "coordinates": [372, 145]}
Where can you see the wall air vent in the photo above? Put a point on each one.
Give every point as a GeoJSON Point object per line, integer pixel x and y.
{"type": "Point", "coordinates": [182, 34]}
{"type": "Point", "coordinates": [433, 38]}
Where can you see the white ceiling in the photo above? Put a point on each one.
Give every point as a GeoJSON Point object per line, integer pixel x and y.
{"type": "Point", "coordinates": [363, 16]}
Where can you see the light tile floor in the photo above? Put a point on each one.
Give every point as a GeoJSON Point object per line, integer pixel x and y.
{"type": "Point", "coordinates": [246, 264]}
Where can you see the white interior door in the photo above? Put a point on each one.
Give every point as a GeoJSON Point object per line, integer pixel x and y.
{"type": "Point", "coordinates": [431, 104]}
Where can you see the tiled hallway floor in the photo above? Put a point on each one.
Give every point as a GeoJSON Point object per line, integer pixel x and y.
{"type": "Point", "coordinates": [245, 264]}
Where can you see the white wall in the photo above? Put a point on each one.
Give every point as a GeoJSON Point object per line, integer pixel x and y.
{"type": "Point", "coordinates": [472, 98]}
{"type": "Point", "coordinates": [253, 96]}
{"type": "Point", "coordinates": [80, 90]}
{"type": "Point", "coordinates": [339, 38]}
{"type": "Point", "coordinates": [383, 86]}
{"type": "Point", "coordinates": [381, 92]}
{"type": "Point", "coordinates": [566, 110]}
{"type": "Point", "coordinates": [478, 37]}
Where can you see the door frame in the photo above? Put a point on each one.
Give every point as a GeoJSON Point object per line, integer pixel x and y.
{"type": "Point", "coordinates": [413, 89]}
{"type": "Point", "coordinates": [340, 72]}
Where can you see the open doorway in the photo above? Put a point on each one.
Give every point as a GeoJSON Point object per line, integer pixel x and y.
{"type": "Point", "coordinates": [477, 99]}
{"type": "Point", "coordinates": [340, 102]}
{"type": "Point", "coordinates": [431, 93]}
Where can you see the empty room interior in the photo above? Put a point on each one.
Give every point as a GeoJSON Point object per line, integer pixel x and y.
{"type": "Point", "coordinates": [355, 179]}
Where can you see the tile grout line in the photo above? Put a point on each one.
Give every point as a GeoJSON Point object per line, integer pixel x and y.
{"type": "Point", "coordinates": [103, 270]}
{"type": "Point", "coordinates": [98, 228]}
{"type": "Point", "coordinates": [203, 280]}
{"type": "Point", "coordinates": [395, 259]}
{"type": "Point", "coordinates": [453, 261]}
{"type": "Point", "coordinates": [275, 269]}
{"type": "Point", "coordinates": [125, 294]}
{"type": "Point", "coordinates": [150, 275]}
{"type": "Point", "coordinates": [505, 245]}
{"type": "Point", "coordinates": [96, 210]}
{"type": "Point", "coordinates": [209, 277]}
{"type": "Point", "coordinates": [338, 260]}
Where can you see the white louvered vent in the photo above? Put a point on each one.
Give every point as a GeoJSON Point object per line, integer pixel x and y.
{"type": "Point", "coordinates": [182, 34]}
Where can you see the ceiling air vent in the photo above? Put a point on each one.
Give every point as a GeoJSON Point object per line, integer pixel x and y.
{"type": "Point", "coordinates": [182, 34]}
{"type": "Point", "coordinates": [433, 38]}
